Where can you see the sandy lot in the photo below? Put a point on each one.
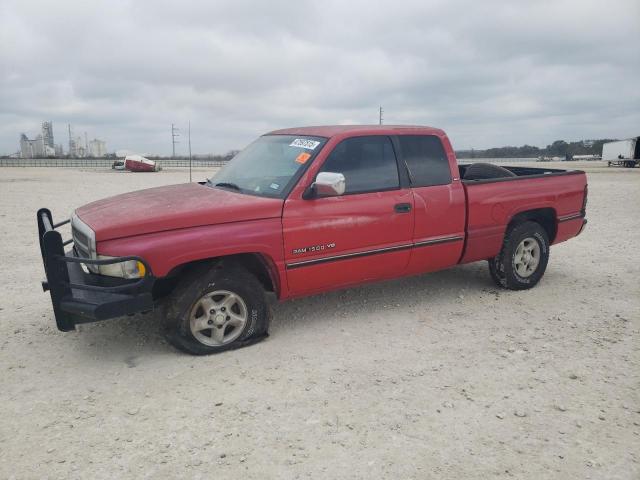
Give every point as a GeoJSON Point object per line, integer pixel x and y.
{"type": "Point", "coordinates": [436, 376]}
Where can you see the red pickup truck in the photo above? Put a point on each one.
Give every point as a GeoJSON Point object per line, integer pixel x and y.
{"type": "Point", "coordinates": [302, 211]}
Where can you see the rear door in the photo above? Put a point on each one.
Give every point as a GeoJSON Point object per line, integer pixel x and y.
{"type": "Point", "coordinates": [362, 235]}
{"type": "Point", "coordinates": [439, 202]}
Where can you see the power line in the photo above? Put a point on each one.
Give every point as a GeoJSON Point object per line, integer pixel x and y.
{"type": "Point", "coordinates": [189, 151]}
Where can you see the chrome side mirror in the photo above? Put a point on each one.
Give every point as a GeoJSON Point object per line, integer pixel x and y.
{"type": "Point", "coordinates": [328, 184]}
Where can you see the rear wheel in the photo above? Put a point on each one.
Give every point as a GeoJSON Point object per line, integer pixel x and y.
{"type": "Point", "coordinates": [217, 309]}
{"type": "Point", "coordinates": [523, 258]}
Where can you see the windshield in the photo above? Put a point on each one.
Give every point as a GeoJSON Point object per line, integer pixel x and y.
{"type": "Point", "coordinates": [270, 166]}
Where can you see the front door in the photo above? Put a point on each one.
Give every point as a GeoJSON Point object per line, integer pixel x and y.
{"type": "Point", "coordinates": [362, 235]}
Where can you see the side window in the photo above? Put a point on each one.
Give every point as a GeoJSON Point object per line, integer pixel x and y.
{"type": "Point", "coordinates": [367, 163]}
{"type": "Point", "coordinates": [426, 159]}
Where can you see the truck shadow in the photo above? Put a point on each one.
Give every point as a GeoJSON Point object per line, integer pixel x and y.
{"type": "Point", "coordinates": [446, 286]}
{"type": "Point", "coordinates": [135, 337]}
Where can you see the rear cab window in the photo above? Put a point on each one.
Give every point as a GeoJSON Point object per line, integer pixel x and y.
{"type": "Point", "coordinates": [426, 160]}
{"type": "Point", "coordinates": [367, 163]}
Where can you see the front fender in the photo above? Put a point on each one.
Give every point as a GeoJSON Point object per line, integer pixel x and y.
{"type": "Point", "coordinates": [164, 251]}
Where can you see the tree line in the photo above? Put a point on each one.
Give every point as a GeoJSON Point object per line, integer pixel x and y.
{"type": "Point", "coordinates": [559, 148]}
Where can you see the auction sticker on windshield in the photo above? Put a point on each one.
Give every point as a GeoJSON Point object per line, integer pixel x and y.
{"type": "Point", "coordinates": [303, 157]}
{"type": "Point", "coordinates": [302, 143]}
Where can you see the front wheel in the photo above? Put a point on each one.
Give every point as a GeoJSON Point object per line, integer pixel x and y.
{"type": "Point", "coordinates": [523, 259]}
{"type": "Point", "coordinates": [217, 308]}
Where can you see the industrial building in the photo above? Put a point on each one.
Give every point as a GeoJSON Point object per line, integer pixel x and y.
{"type": "Point", "coordinates": [97, 148]}
{"type": "Point", "coordinates": [35, 148]}
{"type": "Point", "coordinates": [80, 148]}
{"type": "Point", "coordinates": [42, 146]}
{"type": "Point", "coordinates": [47, 134]}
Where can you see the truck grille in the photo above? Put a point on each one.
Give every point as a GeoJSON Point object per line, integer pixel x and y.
{"type": "Point", "coordinates": [83, 241]}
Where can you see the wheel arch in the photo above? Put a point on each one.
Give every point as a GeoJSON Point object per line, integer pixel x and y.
{"type": "Point", "coordinates": [258, 264]}
{"type": "Point", "coordinates": [546, 217]}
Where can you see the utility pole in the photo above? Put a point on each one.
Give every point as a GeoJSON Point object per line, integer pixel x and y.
{"type": "Point", "coordinates": [174, 134]}
{"type": "Point", "coordinates": [70, 144]}
{"type": "Point", "coordinates": [381, 111]}
{"type": "Point", "coordinates": [189, 151]}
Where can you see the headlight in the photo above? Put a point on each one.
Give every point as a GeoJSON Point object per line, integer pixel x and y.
{"type": "Point", "coordinates": [126, 269]}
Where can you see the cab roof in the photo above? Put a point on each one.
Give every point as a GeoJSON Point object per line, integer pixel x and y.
{"type": "Point", "coordinates": [329, 131]}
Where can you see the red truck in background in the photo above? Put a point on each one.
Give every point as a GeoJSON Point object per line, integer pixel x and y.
{"type": "Point", "coordinates": [298, 212]}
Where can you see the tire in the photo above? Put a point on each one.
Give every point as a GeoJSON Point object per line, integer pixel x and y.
{"type": "Point", "coordinates": [485, 171]}
{"type": "Point", "coordinates": [197, 322]}
{"type": "Point", "coordinates": [510, 268]}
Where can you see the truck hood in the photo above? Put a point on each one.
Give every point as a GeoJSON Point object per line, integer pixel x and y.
{"type": "Point", "coordinates": [173, 207]}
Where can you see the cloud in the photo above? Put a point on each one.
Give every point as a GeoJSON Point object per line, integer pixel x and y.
{"type": "Point", "coordinates": [490, 73]}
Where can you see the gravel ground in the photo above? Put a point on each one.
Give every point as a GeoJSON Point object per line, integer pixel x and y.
{"type": "Point", "coordinates": [436, 376]}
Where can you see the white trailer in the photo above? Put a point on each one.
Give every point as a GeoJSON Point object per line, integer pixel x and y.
{"type": "Point", "coordinates": [624, 153]}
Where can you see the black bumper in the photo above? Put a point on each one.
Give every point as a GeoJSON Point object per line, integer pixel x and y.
{"type": "Point", "coordinates": [80, 297]}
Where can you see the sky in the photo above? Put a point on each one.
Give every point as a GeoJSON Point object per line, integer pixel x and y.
{"type": "Point", "coordinates": [490, 73]}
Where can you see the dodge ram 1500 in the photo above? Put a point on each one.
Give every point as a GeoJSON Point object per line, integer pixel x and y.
{"type": "Point", "coordinates": [298, 212]}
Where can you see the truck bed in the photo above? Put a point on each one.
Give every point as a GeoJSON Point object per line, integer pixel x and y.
{"type": "Point", "coordinates": [492, 203]}
{"type": "Point", "coordinates": [520, 172]}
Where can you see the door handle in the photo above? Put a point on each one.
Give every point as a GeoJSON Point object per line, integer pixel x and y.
{"type": "Point", "coordinates": [402, 207]}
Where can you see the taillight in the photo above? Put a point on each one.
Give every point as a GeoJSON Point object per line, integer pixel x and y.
{"type": "Point", "coordinates": [584, 200]}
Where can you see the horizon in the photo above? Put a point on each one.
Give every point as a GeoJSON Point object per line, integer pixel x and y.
{"type": "Point", "coordinates": [118, 151]}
